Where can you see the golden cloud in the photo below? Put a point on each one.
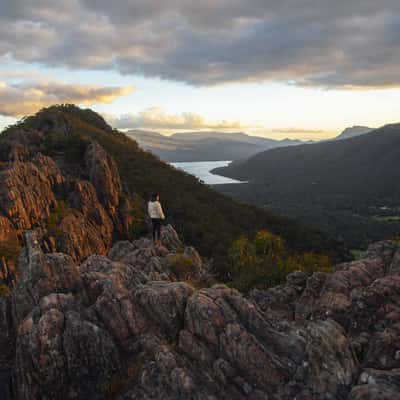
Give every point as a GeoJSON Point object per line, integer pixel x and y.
{"type": "Point", "coordinates": [157, 118]}
{"type": "Point", "coordinates": [28, 98]}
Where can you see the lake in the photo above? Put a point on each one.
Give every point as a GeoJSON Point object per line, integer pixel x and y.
{"type": "Point", "coordinates": [201, 170]}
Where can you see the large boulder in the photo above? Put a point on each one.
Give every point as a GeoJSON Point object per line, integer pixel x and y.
{"type": "Point", "coordinates": [61, 355]}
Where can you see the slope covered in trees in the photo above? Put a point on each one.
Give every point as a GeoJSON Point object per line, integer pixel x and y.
{"type": "Point", "coordinates": [347, 187]}
{"type": "Point", "coordinates": [203, 217]}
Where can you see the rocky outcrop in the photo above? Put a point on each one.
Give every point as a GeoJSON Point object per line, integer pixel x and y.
{"type": "Point", "coordinates": [104, 175]}
{"type": "Point", "coordinates": [122, 326]}
{"type": "Point", "coordinates": [87, 228]}
{"type": "Point", "coordinates": [34, 188]}
{"type": "Point", "coordinates": [26, 194]}
{"type": "Point", "coordinates": [8, 248]}
{"type": "Point", "coordinates": [363, 297]}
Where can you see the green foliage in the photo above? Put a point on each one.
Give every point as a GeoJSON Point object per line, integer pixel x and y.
{"type": "Point", "coordinates": [73, 146]}
{"type": "Point", "coordinates": [55, 217]}
{"type": "Point", "coordinates": [309, 263]}
{"type": "Point", "coordinates": [268, 244]}
{"type": "Point", "coordinates": [265, 261]}
{"type": "Point", "coordinates": [395, 239]}
{"type": "Point", "coordinates": [4, 290]}
{"type": "Point", "coordinates": [357, 254]}
{"type": "Point", "coordinates": [138, 227]}
{"type": "Point", "coordinates": [181, 265]}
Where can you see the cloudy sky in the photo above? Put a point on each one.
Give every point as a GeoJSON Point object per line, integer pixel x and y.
{"type": "Point", "coordinates": [288, 68]}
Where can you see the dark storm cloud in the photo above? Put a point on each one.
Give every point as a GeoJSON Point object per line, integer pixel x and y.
{"type": "Point", "coordinates": [352, 43]}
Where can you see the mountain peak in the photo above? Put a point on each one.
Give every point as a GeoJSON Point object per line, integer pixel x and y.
{"type": "Point", "coordinates": [58, 118]}
{"type": "Point", "coordinates": [354, 131]}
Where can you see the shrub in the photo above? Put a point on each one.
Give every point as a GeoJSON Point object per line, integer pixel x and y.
{"type": "Point", "coordinates": [55, 217]}
{"type": "Point", "coordinates": [265, 262]}
{"type": "Point", "coordinates": [181, 265]}
{"type": "Point", "coordinates": [73, 146]}
{"type": "Point", "coordinates": [268, 244]}
{"type": "Point", "coordinates": [4, 290]}
{"type": "Point", "coordinates": [139, 227]}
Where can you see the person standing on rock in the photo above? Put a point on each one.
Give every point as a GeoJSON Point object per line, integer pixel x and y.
{"type": "Point", "coordinates": [157, 215]}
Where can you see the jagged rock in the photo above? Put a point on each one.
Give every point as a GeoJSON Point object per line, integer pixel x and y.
{"type": "Point", "coordinates": [156, 260]}
{"type": "Point", "coordinates": [106, 329]}
{"type": "Point", "coordinates": [165, 304]}
{"type": "Point", "coordinates": [60, 355]}
{"type": "Point", "coordinates": [6, 333]}
{"type": "Point", "coordinates": [20, 145]}
{"type": "Point", "coordinates": [7, 230]}
{"type": "Point", "coordinates": [170, 238]}
{"type": "Point", "coordinates": [331, 294]}
{"type": "Point", "coordinates": [337, 371]}
{"type": "Point", "coordinates": [103, 174]}
{"type": "Point", "coordinates": [377, 385]}
{"type": "Point", "coordinates": [32, 184]}
{"type": "Point", "coordinates": [395, 263]}
{"type": "Point", "coordinates": [26, 194]}
{"type": "Point", "coordinates": [279, 301]}
{"type": "Point", "coordinates": [9, 243]}
{"type": "Point", "coordinates": [50, 169]}
{"type": "Point", "coordinates": [41, 275]}
{"type": "Point", "coordinates": [87, 229]}
{"type": "Point", "coordinates": [383, 351]}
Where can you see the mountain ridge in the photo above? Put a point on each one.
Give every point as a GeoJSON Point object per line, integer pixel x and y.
{"type": "Point", "coordinates": [354, 131]}
{"type": "Point", "coordinates": [206, 146]}
{"type": "Point", "coordinates": [346, 179]}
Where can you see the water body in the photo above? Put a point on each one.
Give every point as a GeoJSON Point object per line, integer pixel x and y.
{"type": "Point", "coordinates": [201, 170]}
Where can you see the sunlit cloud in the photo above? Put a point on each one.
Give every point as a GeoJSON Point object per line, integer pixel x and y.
{"type": "Point", "coordinates": [158, 119]}
{"type": "Point", "coordinates": [298, 131]}
{"type": "Point", "coordinates": [28, 97]}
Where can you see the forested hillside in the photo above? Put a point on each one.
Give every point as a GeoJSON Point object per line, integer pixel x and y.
{"type": "Point", "coordinates": [346, 187]}
{"type": "Point", "coordinates": [203, 217]}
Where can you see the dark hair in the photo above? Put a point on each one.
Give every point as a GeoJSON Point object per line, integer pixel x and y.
{"type": "Point", "coordinates": [154, 196]}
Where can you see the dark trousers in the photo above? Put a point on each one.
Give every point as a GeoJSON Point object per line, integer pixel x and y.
{"type": "Point", "coordinates": [156, 223]}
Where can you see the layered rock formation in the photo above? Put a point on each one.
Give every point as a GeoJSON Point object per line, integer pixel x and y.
{"type": "Point", "coordinates": [123, 327]}
{"type": "Point", "coordinates": [83, 202]}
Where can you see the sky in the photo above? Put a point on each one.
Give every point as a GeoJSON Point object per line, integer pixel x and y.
{"type": "Point", "coordinates": [302, 69]}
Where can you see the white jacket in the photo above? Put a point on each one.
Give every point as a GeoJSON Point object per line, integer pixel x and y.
{"type": "Point", "coordinates": [155, 210]}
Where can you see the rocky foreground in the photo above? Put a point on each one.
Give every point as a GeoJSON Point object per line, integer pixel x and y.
{"type": "Point", "coordinates": [122, 327]}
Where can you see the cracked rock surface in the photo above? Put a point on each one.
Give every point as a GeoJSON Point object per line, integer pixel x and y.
{"type": "Point", "coordinates": [122, 326]}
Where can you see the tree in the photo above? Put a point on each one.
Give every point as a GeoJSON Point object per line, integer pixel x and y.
{"type": "Point", "coordinates": [265, 261]}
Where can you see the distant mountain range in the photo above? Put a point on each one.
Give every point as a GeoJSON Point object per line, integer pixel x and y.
{"type": "Point", "coordinates": [354, 179]}
{"type": "Point", "coordinates": [363, 162]}
{"type": "Point", "coordinates": [206, 146]}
